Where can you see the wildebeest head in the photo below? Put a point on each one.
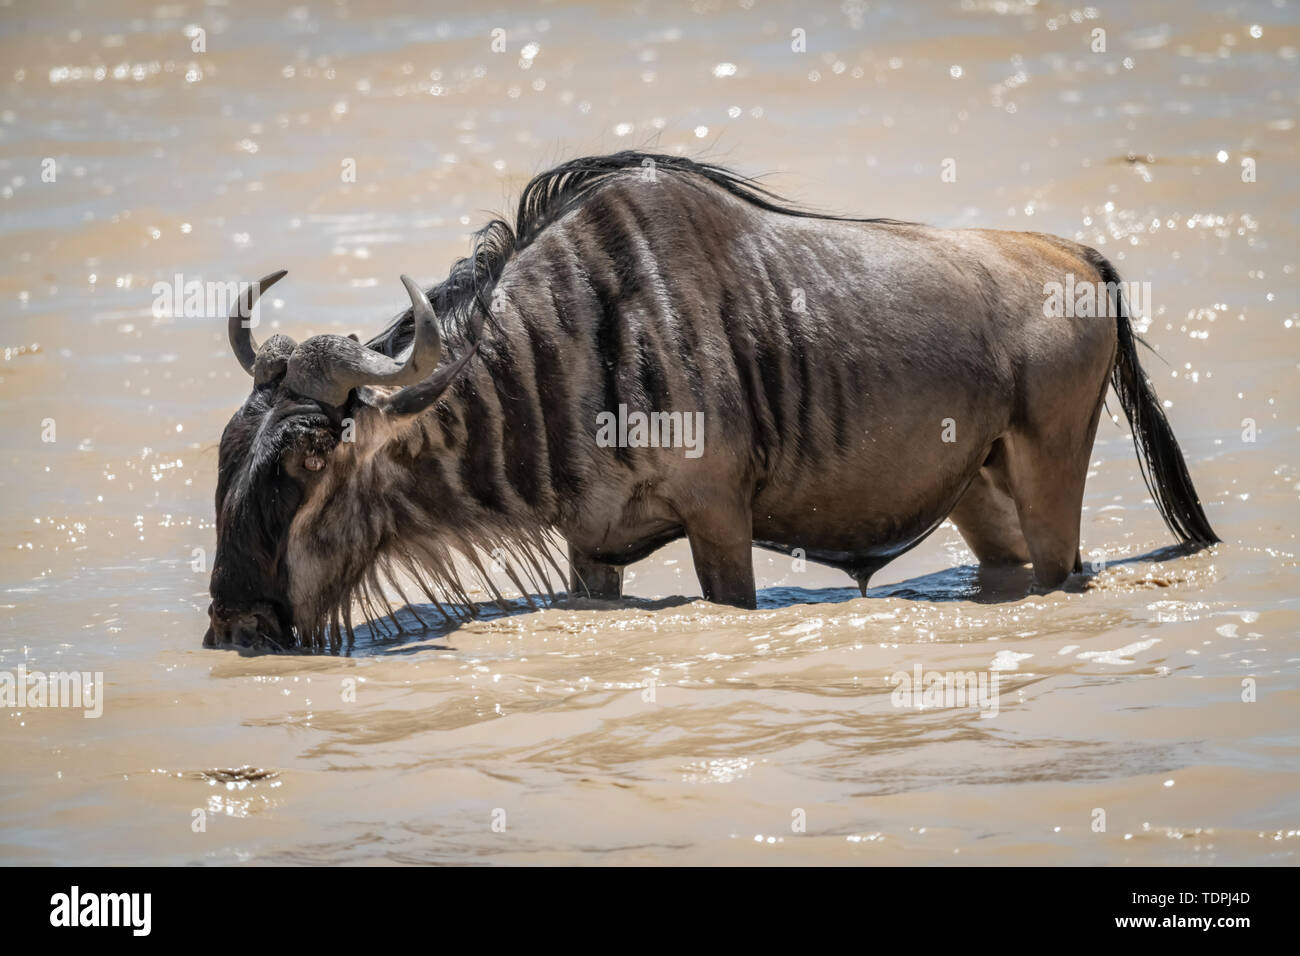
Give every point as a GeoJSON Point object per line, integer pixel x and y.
{"type": "Point", "coordinates": [282, 446]}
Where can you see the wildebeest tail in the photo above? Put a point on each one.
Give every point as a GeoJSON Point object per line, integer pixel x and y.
{"type": "Point", "coordinates": [1159, 457]}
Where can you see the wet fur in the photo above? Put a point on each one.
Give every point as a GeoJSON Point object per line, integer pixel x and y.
{"type": "Point", "coordinates": [822, 424]}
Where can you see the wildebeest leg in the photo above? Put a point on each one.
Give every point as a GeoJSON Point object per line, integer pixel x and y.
{"type": "Point", "coordinates": [594, 578]}
{"type": "Point", "coordinates": [1047, 477]}
{"type": "Point", "coordinates": [721, 541]}
{"type": "Point", "coordinates": [986, 515]}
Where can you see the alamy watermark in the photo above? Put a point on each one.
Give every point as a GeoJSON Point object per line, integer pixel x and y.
{"type": "Point", "coordinates": [197, 299]}
{"type": "Point", "coordinates": [1086, 298]}
{"type": "Point", "coordinates": [932, 690]}
{"type": "Point", "coordinates": [638, 429]}
{"type": "Point", "coordinates": [129, 910]}
{"type": "Point", "coordinates": [22, 689]}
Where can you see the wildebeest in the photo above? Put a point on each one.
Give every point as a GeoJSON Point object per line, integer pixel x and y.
{"type": "Point", "coordinates": [860, 380]}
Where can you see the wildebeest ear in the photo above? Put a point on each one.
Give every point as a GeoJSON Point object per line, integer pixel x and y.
{"type": "Point", "coordinates": [365, 395]}
{"type": "Point", "coordinates": [414, 399]}
{"type": "Point", "coordinates": [353, 337]}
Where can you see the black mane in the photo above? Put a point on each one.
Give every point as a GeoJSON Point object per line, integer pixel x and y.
{"type": "Point", "coordinates": [547, 197]}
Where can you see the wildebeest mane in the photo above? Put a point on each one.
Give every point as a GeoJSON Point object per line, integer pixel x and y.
{"type": "Point", "coordinates": [546, 198]}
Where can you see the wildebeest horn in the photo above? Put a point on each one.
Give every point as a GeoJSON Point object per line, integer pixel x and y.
{"type": "Point", "coordinates": [241, 333]}
{"type": "Point", "coordinates": [328, 367]}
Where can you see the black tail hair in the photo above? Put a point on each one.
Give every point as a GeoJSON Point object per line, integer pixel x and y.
{"type": "Point", "coordinates": [1161, 461]}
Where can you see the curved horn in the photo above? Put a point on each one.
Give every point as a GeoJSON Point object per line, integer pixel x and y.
{"type": "Point", "coordinates": [328, 367]}
{"type": "Point", "coordinates": [414, 399]}
{"type": "Point", "coordinates": [240, 332]}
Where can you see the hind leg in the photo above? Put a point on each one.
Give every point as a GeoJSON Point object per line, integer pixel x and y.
{"type": "Point", "coordinates": [987, 518]}
{"type": "Point", "coordinates": [722, 540]}
{"type": "Point", "coordinates": [1047, 474]}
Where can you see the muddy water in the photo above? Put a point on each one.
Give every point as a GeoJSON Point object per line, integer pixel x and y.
{"type": "Point", "coordinates": [665, 730]}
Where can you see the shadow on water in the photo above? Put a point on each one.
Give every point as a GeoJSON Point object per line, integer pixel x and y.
{"type": "Point", "coordinates": [422, 628]}
{"type": "Point", "coordinates": [966, 582]}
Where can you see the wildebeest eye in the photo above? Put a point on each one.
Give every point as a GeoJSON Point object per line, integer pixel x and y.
{"type": "Point", "coordinates": [310, 451]}
{"type": "Point", "coordinates": [309, 448]}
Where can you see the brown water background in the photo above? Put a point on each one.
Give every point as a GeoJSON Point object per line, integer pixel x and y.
{"type": "Point", "coordinates": [1123, 693]}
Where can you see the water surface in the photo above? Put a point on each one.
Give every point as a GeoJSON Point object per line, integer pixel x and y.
{"type": "Point", "coordinates": [666, 730]}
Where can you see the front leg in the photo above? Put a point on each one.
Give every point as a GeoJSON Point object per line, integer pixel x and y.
{"type": "Point", "coordinates": [721, 545]}
{"type": "Point", "coordinates": [593, 578]}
